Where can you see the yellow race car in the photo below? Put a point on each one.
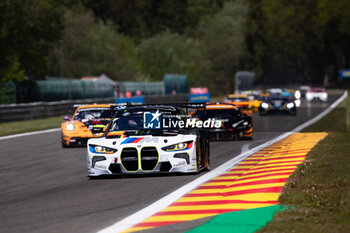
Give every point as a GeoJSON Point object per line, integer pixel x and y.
{"type": "Point", "coordinates": [240, 101]}
{"type": "Point", "coordinates": [253, 98]}
{"type": "Point", "coordinates": [258, 99]}
{"type": "Point", "coordinates": [88, 121]}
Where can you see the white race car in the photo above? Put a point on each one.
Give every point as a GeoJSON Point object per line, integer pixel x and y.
{"type": "Point", "coordinates": [317, 93]}
{"type": "Point", "coordinates": [146, 139]}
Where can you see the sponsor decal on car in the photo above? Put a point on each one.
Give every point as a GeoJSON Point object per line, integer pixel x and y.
{"type": "Point", "coordinates": [140, 140]}
{"type": "Point", "coordinates": [179, 164]}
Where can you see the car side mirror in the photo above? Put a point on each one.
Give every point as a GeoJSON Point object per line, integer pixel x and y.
{"type": "Point", "coordinates": [66, 118]}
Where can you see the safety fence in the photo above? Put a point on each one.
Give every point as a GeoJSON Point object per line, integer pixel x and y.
{"type": "Point", "coordinates": [36, 110]}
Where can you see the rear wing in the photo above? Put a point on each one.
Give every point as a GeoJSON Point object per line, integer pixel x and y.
{"type": "Point", "coordinates": [180, 105]}
{"type": "Point", "coordinates": [79, 105]}
{"type": "Point", "coordinates": [120, 106]}
{"type": "Point", "coordinates": [221, 103]}
{"type": "Point", "coordinates": [193, 105]}
{"type": "Point", "coordinates": [73, 107]}
{"type": "Point", "coordinates": [186, 105]}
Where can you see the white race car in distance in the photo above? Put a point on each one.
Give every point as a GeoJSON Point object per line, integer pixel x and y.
{"type": "Point", "coordinates": [317, 93]}
{"type": "Point", "coordinates": [134, 143]}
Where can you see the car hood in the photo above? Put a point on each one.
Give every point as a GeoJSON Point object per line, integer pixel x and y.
{"type": "Point", "coordinates": [147, 140]}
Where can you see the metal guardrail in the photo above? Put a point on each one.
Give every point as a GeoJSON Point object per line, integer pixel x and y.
{"type": "Point", "coordinates": [36, 110]}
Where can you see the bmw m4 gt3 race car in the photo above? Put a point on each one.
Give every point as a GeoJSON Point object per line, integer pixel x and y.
{"type": "Point", "coordinates": [277, 103]}
{"type": "Point", "coordinates": [149, 139]}
{"type": "Point", "coordinates": [88, 121]}
{"type": "Point", "coordinates": [235, 123]}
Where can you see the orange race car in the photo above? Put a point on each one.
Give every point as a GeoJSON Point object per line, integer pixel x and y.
{"type": "Point", "coordinates": [89, 121]}
{"type": "Point", "coordinates": [235, 123]}
{"type": "Point", "coordinates": [241, 101]}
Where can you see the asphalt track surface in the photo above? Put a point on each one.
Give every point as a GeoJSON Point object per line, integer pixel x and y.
{"type": "Point", "coordinates": [44, 187]}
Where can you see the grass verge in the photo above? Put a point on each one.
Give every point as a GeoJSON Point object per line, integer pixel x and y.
{"type": "Point", "coordinates": [30, 125]}
{"type": "Point", "coordinates": [319, 190]}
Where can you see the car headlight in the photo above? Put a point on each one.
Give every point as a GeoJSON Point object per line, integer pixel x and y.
{"type": "Point", "coordinates": [308, 95]}
{"type": "Point", "coordinates": [324, 95]}
{"type": "Point", "coordinates": [102, 149]}
{"type": "Point", "coordinates": [70, 127]}
{"type": "Point", "coordinates": [265, 105]}
{"type": "Point", "coordinates": [290, 105]}
{"type": "Point", "coordinates": [297, 94]}
{"type": "Point", "coordinates": [179, 146]}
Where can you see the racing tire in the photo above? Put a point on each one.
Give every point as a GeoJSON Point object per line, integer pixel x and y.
{"type": "Point", "coordinates": [198, 155]}
{"type": "Point", "coordinates": [202, 154]}
{"type": "Point", "coordinates": [207, 155]}
{"type": "Point", "coordinates": [64, 145]}
{"type": "Point", "coordinates": [245, 138]}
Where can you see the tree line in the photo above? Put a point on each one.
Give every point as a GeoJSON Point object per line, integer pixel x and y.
{"type": "Point", "coordinates": [282, 41]}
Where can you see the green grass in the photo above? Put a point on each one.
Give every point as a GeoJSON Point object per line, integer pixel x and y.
{"type": "Point", "coordinates": [319, 190]}
{"type": "Point", "coordinates": [30, 126]}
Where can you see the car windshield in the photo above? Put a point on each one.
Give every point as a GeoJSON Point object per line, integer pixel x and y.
{"type": "Point", "coordinates": [217, 113]}
{"type": "Point", "coordinates": [92, 113]}
{"type": "Point", "coordinates": [134, 121]}
{"type": "Point", "coordinates": [317, 89]}
{"type": "Point", "coordinates": [238, 99]}
{"type": "Point", "coordinates": [278, 97]}
{"type": "Point", "coordinates": [262, 97]}
{"type": "Point", "coordinates": [127, 123]}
